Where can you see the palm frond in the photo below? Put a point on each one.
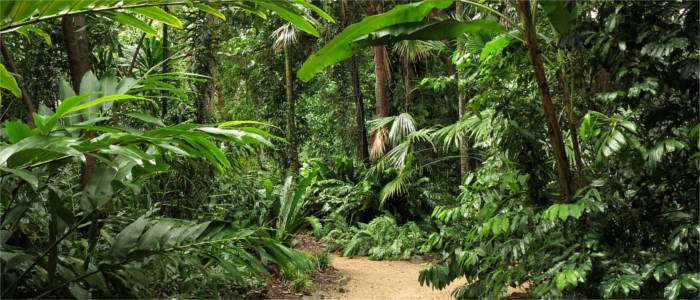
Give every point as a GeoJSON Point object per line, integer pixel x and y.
{"type": "Point", "coordinates": [284, 36]}
{"type": "Point", "coordinates": [378, 144]}
{"type": "Point", "coordinates": [402, 126]}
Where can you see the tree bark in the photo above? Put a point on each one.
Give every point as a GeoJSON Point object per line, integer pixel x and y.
{"type": "Point", "coordinates": [359, 110]}
{"type": "Point", "coordinates": [25, 96]}
{"type": "Point", "coordinates": [462, 110]}
{"type": "Point", "coordinates": [79, 64]}
{"type": "Point", "coordinates": [553, 130]}
{"type": "Point", "coordinates": [291, 132]}
{"type": "Point", "coordinates": [353, 67]}
{"type": "Point", "coordinates": [376, 7]}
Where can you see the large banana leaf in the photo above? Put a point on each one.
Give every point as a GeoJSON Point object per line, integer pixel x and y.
{"type": "Point", "coordinates": [342, 47]}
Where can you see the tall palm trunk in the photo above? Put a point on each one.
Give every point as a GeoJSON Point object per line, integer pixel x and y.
{"type": "Point", "coordinates": [291, 133]}
{"type": "Point", "coordinates": [553, 130]}
{"type": "Point", "coordinates": [78, 64]}
{"type": "Point", "coordinates": [380, 69]}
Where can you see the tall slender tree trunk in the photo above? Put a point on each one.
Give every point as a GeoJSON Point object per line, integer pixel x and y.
{"type": "Point", "coordinates": [406, 80]}
{"type": "Point", "coordinates": [359, 110]}
{"type": "Point", "coordinates": [291, 132]}
{"type": "Point", "coordinates": [78, 64]}
{"type": "Point", "coordinates": [28, 105]}
{"type": "Point", "coordinates": [206, 64]}
{"type": "Point", "coordinates": [553, 130]}
{"type": "Point", "coordinates": [569, 107]}
{"type": "Point", "coordinates": [354, 69]}
{"type": "Point", "coordinates": [462, 110]}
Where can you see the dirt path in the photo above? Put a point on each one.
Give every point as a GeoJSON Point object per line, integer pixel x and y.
{"type": "Point", "coordinates": [386, 280]}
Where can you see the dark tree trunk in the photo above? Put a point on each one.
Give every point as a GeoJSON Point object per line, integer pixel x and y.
{"type": "Point", "coordinates": [353, 67]}
{"type": "Point", "coordinates": [553, 130]}
{"type": "Point", "coordinates": [406, 80]}
{"type": "Point", "coordinates": [79, 64]}
{"type": "Point", "coordinates": [359, 110]}
{"type": "Point", "coordinates": [28, 105]}
{"type": "Point", "coordinates": [291, 132]}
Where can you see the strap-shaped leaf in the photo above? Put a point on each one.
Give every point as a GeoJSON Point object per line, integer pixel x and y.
{"type": "Point", "coordinates": [7, 81]}
{"type": "Point", "coordinates": [157, 14]}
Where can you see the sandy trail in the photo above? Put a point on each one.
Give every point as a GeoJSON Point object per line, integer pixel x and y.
{"type": "Point", "coordinates": [386, 280]}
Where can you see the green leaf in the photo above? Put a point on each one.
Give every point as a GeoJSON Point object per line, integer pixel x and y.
{"type": "Point", "coordinates": [103, 99]}
{"type": "Point", "coordinates": [17, 130]}
{"type": "Point", "coordinates": [315, 9]}
{"type": "Point", "coordinates": [561, 14]}
{"type": "Point", "coordinates": [208, 9]}
{"type": "Point", "coordinates": [426, 31]}
{"type": "Point", "coordinates": [341, 46]}
{"type": "Point", "coordinates": [130, 20]}
{"type": "Point", "coordinates": [563, 212]}
{"type": "Point", "coordinates": [25, 175]}
{"type": "Point", "coordinates": [38, 31]}
{"type": "Point", "coordinates": [494, 46]}
{"type": "Point", "coordinates": [7, 81]}
{"type": "Point", "coordinates": [159, 15]}
{"type": "Point", "coordinates": [127, 238]}
{"type": "Point", "coordinates": [672, 290]}
{"type": "Point", "coordinates": [147, 118]}
{"type": "Point", "coordinates": [560, 281]}
{"type": "Point", "coordinates": [287, 12]}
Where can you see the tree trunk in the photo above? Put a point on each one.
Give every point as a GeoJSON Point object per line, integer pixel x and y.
{"type": "Point", "coordinates": [25, 96]}
{"type": "Point", "coordinates": [376, 7]}
{"type": "Point", "coordinates": [569, 107]}
{"type": "Point", "coordinates": [353, 67]}
{"type": "Point", "coordinates": [359, 110]}
{"type": "Point", "coordinates": [406, 79]}
{"type": "Point", "coordinates": [462, 110]}
{"type": "Point", "coordinates": [78, 64]}
{"type": "Point", "coordinates": [206, 64]}
{"type": "Point", "coordinates": [553, 130]}
{"type": "Point", "coordinates": [291, 133]}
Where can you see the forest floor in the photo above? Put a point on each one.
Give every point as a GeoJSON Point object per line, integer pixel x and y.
{"type": "Point", "coordinates": [362, 278]}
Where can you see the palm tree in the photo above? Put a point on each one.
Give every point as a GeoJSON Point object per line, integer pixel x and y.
{"type": "Point", "coordinates": [283, 37]}
{"type": "Point", "coordinates": [412, 51]}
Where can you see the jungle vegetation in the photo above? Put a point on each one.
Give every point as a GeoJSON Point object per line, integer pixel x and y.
{"type": "Point", "coordinates": [153, 148]}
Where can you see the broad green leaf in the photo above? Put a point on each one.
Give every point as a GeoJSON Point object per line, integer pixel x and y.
{"type": "Point", "coordinates": [432, 30]}
{"type": "Point", "coordinates": [208, 9]}
{"type": "Point", "coordinates": [147, 118]}
{"type": "Point", "coordinates": [25, 175]}
{"type": "Point", "coordinates": [159, 15]}
{"type": "Point", "coordinates": [494, 46]}
{"type": "Point", "coordinates": [17, 130]}
{"type": "Point", "coordinates": [7, 81]}
{"type": "Point", "coordinates": [672, 290]}
{"type": "Point", "coordinates": [103, 99]}
{"type": "Point", "coordinates": [98, 191]}
{"type": "Point", "coordinates": [691, 282]}
{"type": "Point", "coordinates": [561, 14]}
{"type": "Point", "coordinates": [563, 212]}
{"type": "Point", "coordinates": [127, 238]}
{"type": "Point", "coordinates": [341, 46]}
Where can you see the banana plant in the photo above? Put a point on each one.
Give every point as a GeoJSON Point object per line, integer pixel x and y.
{"type": "Point", "coordinates": [18, 16]}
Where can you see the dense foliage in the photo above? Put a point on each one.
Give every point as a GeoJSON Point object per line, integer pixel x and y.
{"type": "Point", "coordinates": [547, 145]}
